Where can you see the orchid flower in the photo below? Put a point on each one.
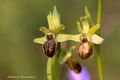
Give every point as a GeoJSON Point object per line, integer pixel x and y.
{"type": "Point", "coordinates": [52, 35]}
{"type": "Point", "coordinates": [87, 36]}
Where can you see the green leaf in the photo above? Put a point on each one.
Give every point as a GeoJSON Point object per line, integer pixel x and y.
{"type": "Point", "coordinates": [40, 40]}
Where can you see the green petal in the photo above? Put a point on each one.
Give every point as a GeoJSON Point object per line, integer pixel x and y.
{"type": "Point", "coordinates": [84, 24]}
{"type": "Point", "coordinates": [65, 37]}
{"type": "Point", "coordinates": [79, 27]}
{"type": "Point", "coordinates": [94, 29]}
{"type": "Point", "coordinates": [53, 19]}
{"type": "Point", "coordinates": [40, 40]}
{"type": "Point", "coordinates": [58, 29]}
{"type": "Point", "coordinates": [44, 30]}
{"type": "Point", "coordinates": [89, 18]}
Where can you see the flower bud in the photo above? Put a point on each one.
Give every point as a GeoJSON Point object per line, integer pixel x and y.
{"type": "Point", "coordinates": [74, 65]}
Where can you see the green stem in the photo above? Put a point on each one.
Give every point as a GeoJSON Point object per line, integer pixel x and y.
{"type": "Point", "coordinates": [99, 62]}
{"type": "Point", "coordinates": [98, 48]}
{"type": "Point", "coordinates": [53, 64]}
{"type": "Point", "coordinates": [99, 11]}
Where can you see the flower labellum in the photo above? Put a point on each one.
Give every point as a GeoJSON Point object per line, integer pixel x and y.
{"type": "Point", "coordinates": [85, 49]}
{"type": "Point", "coordinates": [49, 46]}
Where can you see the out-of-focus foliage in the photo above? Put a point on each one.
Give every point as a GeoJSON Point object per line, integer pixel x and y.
{"type": "Point", "coordinates": [19, 24]}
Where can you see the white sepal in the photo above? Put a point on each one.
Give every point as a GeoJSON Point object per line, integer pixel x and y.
{"type": "Point", "coordinates": [96, 39]}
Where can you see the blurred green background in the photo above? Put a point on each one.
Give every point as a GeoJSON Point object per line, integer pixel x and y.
{"type": "Point", "coordinates": [19, 24]}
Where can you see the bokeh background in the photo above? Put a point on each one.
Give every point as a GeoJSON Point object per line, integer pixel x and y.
{"type": "Point", "coordinates": [19, 24]}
